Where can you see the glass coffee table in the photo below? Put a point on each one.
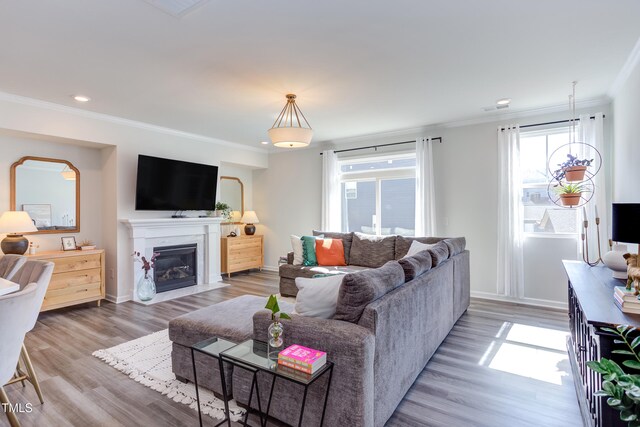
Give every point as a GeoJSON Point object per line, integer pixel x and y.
{"type": "Point", "coordinates": [212, 347]}
{"type": "Point", "coordinates": [251, 355]}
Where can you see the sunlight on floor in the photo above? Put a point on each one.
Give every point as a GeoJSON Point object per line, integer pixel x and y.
{"type": "Point", "coordinates": [529, 351]}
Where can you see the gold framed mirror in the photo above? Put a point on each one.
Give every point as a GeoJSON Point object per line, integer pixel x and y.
{"type": "Point", "coordinates": [49, 190]}
{"type": "Point", "coordinates": [232, 193]}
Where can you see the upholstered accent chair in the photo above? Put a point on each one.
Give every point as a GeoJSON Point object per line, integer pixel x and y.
{"type": "Point", "coordinates": [37, 273]}
{"type": "Point", "coordinates": [10, 264]}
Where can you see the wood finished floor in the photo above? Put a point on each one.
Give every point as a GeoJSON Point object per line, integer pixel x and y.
{"type": "Point", "coordinates": [459, 387]}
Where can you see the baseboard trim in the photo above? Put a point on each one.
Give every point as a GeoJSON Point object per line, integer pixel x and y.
{"type": "Point", "coordinates": [271, 268]}
{"type": "Point", "coordinates": [117, 300]}
{"type": "Point", "coordinates": [557, 305]}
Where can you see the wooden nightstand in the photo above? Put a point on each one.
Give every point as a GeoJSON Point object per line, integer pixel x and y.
{"type": "Point", "coordinates": [241, 253]}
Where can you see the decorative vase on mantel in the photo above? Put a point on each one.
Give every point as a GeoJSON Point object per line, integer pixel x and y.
{"type": "Point", "coordinates": [276, 341]}
{"type": "Point", "coordinates": [146, 288]}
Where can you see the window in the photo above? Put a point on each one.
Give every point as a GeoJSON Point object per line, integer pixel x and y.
{"type": "Point", "coordinates": [379, 194]}
{"type": "Point", "coordinates": [541, 215]}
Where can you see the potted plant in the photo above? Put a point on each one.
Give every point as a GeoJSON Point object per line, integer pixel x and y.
{"type": "Point", "coordinates": [573, 169]}
{"type": "Point", "coordinates": [87, 245]}
{"type": "Point", "coordinates": [570, 194]}
{"type": "Point", "coordinates": [275, 330]}
{"type": "Point", "coordinates": [621, 389]}
{"type": "Point", "coordinates": [223, 210]}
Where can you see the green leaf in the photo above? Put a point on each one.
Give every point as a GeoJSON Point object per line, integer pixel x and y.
{"type": "Point", "coordinates": [597, 366]}
{"type": "Point", "coordinates": [623, 352]}
{"type": "Point", "coordinates": [635, 342]}
{"type": "Point", "coordinates": [285, 316]}
{"type": "Point", "coordinates": [613, 402]}
{"type": "Point", "coordinates": [613, 331]}
{"type": "Point", "coordinates": [609, 387]}
{"type": "Point", "coordinates": [634, 364]}
{"type": "Point", "coordinates": [272, 304]}
{"type": "Point", "coordinates": [627, 415]}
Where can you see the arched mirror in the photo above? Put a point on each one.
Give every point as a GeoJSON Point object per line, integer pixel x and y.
{"type": "Point", "coordinates": [232, 193]}
{"type": "Point", "coordinates": [49, 190]}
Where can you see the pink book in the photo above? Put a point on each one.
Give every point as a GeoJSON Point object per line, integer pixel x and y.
{"type": "Point", "coordinates": [304, 358]}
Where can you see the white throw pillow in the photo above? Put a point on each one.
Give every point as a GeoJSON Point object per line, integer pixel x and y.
{"type": "Point", "coordinates": [417, 247]}
{"type": "Point", "coordinates": [318, 297]}
{"type": "Point", "coordinates": [296, 246]}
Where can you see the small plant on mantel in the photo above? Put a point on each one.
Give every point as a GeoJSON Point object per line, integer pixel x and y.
{"type": "Point", "coordinates": [224, 210]}
{"type": "Point", "coordinates": [621, 389]}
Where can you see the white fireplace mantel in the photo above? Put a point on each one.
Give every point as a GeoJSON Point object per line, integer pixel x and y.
{"type": "Point", "coordinates": [145, 234]}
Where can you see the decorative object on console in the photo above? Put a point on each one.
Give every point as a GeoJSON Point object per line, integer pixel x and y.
{"type": "Point", "coordinates": [87, 245]}
{"type": "Point", "coordinates": [302, 358]}
{"type": "Point", "coordinates": [146, 288]}
{"type": "Point", "coordinates": [69, 243]}
{"type": "Point", "coordinates": [614, 260]}
{"type": "Point", "coordinates": [287, 131]}
{"type": "Point", "coordinates": [624, 228]}
{"type": "Point", "coordinates": [633, 272]}
{"type": "Point", "coordinates": [14, 223]}
{"type": "Point", "coordinates": [584, 236]}
{"type": "Point", "coordinates": [276, 342]}
{"type": "Point", "coordinates": [32, 248]}
{"type": "Point", "coordinates": [250, 218]}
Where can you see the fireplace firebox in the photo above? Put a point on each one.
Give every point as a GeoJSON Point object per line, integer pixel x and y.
{"type": "Point", "coordinates": [176, 267]}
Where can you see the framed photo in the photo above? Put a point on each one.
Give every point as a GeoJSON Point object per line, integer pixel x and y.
{"type": "Point", "coordinates": [69, 243]}
{"type": "Point", "coordinates": [39, 213]}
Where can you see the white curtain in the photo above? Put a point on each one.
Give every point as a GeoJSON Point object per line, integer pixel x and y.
{"type": "Point", "coordinates": [425, 194]}
{"type": "Point", "coordinates": [331, 201]}
{"type": "Point", "coordinates": [510, 214]}
{"type": "Point", "coordinates": [591, 131]}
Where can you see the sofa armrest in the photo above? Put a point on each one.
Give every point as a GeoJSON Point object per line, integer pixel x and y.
{"type": "Point", "coordinates": [289, 257]}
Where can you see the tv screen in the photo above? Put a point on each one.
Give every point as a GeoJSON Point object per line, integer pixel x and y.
{"type": "Point", "coordinates": [173, 185]}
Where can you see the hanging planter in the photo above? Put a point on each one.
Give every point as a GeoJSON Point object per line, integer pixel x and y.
{"type": "Point", "coordinates": [575, 173]}
{"type": "Point", "coordinates": [570, 194]}
{"type": "Point", "coordinates": [572, 170]}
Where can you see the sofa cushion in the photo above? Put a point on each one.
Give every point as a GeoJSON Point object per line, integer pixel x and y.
{"type": "Point", "coordinates": [456, 245]}
{"type": "Point", "coordinates": [318, 297]}
{"type": "Point", "coordinates": [347, 239]}
{"type": "Point", "coordinates": [439, 254]}
{"type": "Point", "coordinates": [404, 243]}
{"type": "Point", "coordinates": [372, 251]}
{"type": "Point", "coordinates": [415, 265]}
{"type": "Point", "coordinates": [417, 247]}
{"type": "Point", "coordinates": [330, 252]}
{"type": "Point", "coordinates": [360, 289]}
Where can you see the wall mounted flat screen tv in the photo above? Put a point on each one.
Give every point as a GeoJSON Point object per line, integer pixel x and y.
{"type": "Point", "coordinates": [173, 185]}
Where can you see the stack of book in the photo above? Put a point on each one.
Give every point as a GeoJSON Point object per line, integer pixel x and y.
{"type": "Point", "coordinates": [302, 359]}
{"type": "Point", "coordinates": [626, 300]}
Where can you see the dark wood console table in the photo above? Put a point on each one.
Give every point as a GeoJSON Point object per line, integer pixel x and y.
{"type": "Point", "coordinates": [591, 307]}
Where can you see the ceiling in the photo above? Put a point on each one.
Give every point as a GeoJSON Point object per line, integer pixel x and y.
{"type": "Point", "coordinates": [358, 67]}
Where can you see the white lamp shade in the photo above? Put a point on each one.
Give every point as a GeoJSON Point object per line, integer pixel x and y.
{"type": "Point", "coordinates": [16, 222]}
{"type": "Point", "coordinates": [235, 216]}
{"type": "Point", "coordinates": [290, 137]}
{"type": "Point", "coordinates": [250, 217]}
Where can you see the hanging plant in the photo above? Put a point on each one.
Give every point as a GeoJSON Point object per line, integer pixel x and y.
{"type": "Point", "coordinates": [570, 194]}
{"type": "Point", "coordinates": [572, 170]}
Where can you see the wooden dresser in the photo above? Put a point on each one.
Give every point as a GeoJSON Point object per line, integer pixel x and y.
{"type": "Point", "coordinates": [78, 277]}
{"type": "Point", "coordinates": [241, 253]}
{"type": "Point", "coordinates": [591, 308]}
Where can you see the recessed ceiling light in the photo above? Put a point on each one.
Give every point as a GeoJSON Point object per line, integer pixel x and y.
{"type": "Point", "coordinates": [81, 98]}
{"type": "Point", "coordinates": [503, 101]}
{"type": "Point", "coordinates": [264, 142]}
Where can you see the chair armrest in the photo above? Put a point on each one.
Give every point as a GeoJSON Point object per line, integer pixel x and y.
{"type": "Point", "coordinates": [289, 257]}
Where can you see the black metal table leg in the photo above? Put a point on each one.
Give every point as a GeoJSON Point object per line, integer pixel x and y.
{"type": "Point", "coordinates": [273, 384]}
{"type": "Point", "coordinates": [326, 396]}
{"type": "Point", "coordinates": [195, 382]}
{"type": "Point", "coordinates": [246, 415]}
{"type": "Point", "coordinates": [304, 401]}
{"type": "Point", "coordinates": [262, 422]}
{"type": "Point", "coordinates": [227, 414]}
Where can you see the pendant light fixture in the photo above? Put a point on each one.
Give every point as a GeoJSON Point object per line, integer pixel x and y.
{"type": "Point", "coordinates": [288, 130]}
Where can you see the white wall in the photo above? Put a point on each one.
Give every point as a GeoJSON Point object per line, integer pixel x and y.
{"type": "Point", "coordinates": [87, 160]}
{"type": "Point", "coordinates": [626, 108]}
{"type": "Point", "coordinates": [466, 190]}
{"type": "Point", "coordinates": [124, 140]}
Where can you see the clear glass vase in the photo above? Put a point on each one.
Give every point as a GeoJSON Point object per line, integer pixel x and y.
{"type": "Point", "coordinates": [146, 287]}
{"type": "Point", "coordinates": [276, 340]}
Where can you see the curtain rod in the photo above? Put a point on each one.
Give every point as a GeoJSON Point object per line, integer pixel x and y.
{"type": "Point", "coordinates": [439, 138]}
{"type": "Point", "coordinates": [552, 123]}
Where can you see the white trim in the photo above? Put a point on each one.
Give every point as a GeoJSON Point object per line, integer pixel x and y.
{"type": "Point", "coordinates": [525, 301]}
{"type": "Point", "coordinates": [632, 61]}
{"type": "Point", "coordinates": [4, 96]}
{"type": "Point", "coordinates": [271, 268]}
{"type": "Point", "coordinates": [117, 300]}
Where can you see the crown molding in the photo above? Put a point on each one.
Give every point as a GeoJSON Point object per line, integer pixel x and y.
{"type": "Point", "coordinates": [632, 61]}
{"type": "Point", "coordinates": [51, 106]}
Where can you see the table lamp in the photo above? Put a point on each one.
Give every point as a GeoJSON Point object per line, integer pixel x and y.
{"type": "Point", "coordinates": [250, 218]}
{"type": "Point", "coordinates": [14, 223]}
{"type": "Point", "coordinates": [624, 228]}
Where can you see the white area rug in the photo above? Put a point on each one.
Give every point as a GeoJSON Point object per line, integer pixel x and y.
{"type": "Point", "coordinates": [147, 360]}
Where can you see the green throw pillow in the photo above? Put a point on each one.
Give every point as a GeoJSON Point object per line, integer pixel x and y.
{"type": "Point", "coordinates": [309, 250]}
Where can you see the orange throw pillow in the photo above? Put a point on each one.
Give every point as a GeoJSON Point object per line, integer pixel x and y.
{"type": "Point", "coordinates": [330, 252]}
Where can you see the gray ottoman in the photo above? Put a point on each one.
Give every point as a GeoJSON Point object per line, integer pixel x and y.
{"type": "Point", "coordinates": [231, 320]}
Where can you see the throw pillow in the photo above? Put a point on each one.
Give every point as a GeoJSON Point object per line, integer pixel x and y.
{"type": "Point", "coordinates": [296, 246]}
{"type": "Point", "coordinates": [309, 250]}
{"type": "Point", "coordinates": [439, 254]}
{"type": "Point", "coordinates": [330, 252]}
{"type": "Point", "coordinates": [363, 287]}
{"type": "Point", "coordinates": [404, 243]}
{"type": "Point", "coordinates": [372, 251]}
{"type": "Point", "coordinates": [347, 240]}
{"type": "Point", "coordinates": [318, 297]}
{"type": "Point", "coordinates": [418, 247]}
{"type": "Point", "coordinates": [416, 265]}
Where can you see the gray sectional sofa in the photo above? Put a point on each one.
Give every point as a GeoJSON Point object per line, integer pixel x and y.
{"type": "Point", "coordinates": [389, 321]}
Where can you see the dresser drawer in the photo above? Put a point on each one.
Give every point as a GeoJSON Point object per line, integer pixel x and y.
{"type": "Point", "coordinates": [75, 295]}
{"type": "Point", "coordinates": [242, 244]}
{"type": "Point", "coordinates": [76, 263]}
{"type": "Point", "coordinates": [72, 279]}
{"type": "Point", "coordinates": [245, 263]}
{"type": "Point", "coordinates": [252, 251]}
